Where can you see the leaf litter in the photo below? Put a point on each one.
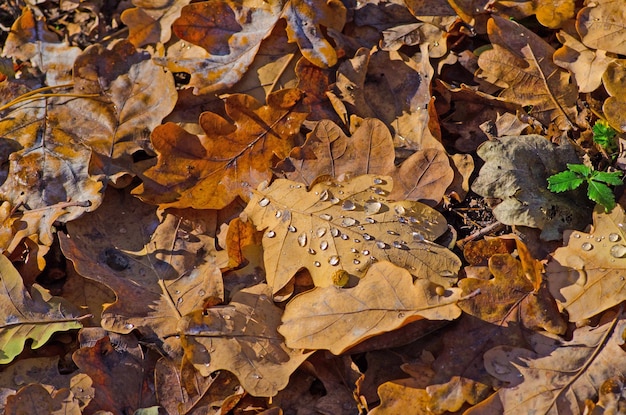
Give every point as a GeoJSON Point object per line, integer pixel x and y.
{"type": "Point", "coordinates": [259, 207]}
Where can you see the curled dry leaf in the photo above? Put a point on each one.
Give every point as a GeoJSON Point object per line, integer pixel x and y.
{"type": "Point", "coordinates": [304, 18]}
{"type": "Point", "coordinates": [241, 337]}
{"type": "Point", "coordinates": [25, 316]}
{"type": "Point", "coordinates": [423, 177]}
{"type": "Point", "coordinates": [209, 172]}
{"type": "Point", "coordinates": [385, 299]}
{"type": "Point", "coordinates": [561, 381]}
{"type": "Point", "coordinates": [523, 62]}
{"type": "Point", "coordinates": [586, 275]}
{"type": "Point", "coordinates": [516, 170]}
{"type": "Point", "coordinates": [348, 226]}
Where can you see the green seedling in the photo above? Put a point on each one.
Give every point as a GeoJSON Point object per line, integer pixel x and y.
{"type": "Point", "coordinates": [604, 135]}
{"type": "Point", "coordinates": [598, 182]}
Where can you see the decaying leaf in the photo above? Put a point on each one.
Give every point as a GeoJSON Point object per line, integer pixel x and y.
{"type": "Point", "coordinates": [516, 171]}
{"type": "Point", "coordinates": [561, 381]}
{"type": "Point", "coordinates": [150, 22]}
{"type": "Point", "coordinates": [28, 316]}
{"type": "Point", "coordinates": [614, 106]}
{"type": "Point", "coordinates": [347, 226]}
{"type": "Point", "coordinates": [208, 172]}
{"type": "Point", "coordinates": [35, 399]}
{"type": "Point", "coordinates": [385, 299]}
{"type": "Point", "coordinates": [523, 62]}
{"type": "Point", "coordinates": [241, 337]}
{"type": "Point", "coordinates": [424, 176]}
{"type": "Point", "coordinates": [586, 275]}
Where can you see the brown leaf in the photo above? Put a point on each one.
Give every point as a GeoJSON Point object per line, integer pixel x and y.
{"type": "Point", "coordinates": [158, 269]}
{"type": "Point", "coordinates": [150, 22]}
{"type": "Point", "coordinates": [423, 177]}
{"type": "Point", "coordinates": [397, 398]}
{"type": "Point", "coordinates": [510, 288]}
{"type": "Point", "coordinates": [241, 337]}
{"type": "Point", "coordinates": [346, 227]}
{"type": "Point", "coordinates": [228, 35]}
{"type": "Point", "coordinates": [562, 380]}
{"type": "Point", "coordinates": [586, 65]}
{"type": "Point", "coordinates": [586, 275]}
{"type": "Point", "coordinates": [523, 61]}
{"type": "Point", "coordinates": [304, 19]}
{"type": "Point", "coordinates": [613, 107]}
{"type": "Point", "coordinates": [209, 172]}
{"type": "Point", "coordinates": [600, 26]}
{"type": "Point", "coordinates": [119, 372]}
{"type": "Point", "coordinates": [385, 299]}
{"type": "Point", "coordinates": [36, 400]}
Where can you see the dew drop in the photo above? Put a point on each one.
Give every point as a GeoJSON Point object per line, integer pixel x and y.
{"type": "Point", "coordinates": [302, 239]}
{"type": "Point", "coordinates": [270, 234]}
{"type": "Point", "coordinates": [378, 180]}
{"type": "Point", "coordinates": [382, 245]}
{"type": "Point", "coordinates": [372, 207]}
{"type": "Point", "coordinates": [179, 301]}
{"type": "Point", "coordinates": [354, 250]}
{"type": "Point", "coordinates": [333, 260]}
{"type": "Point", "coordinates": [324, 196]}
{"type": "Point", "coordinates": [201, 293]}
{"type": "Point", "coordinates": [577, 235]}
{"type": "Point", "coordinates": [365, 252]}
{"type": "Point", "coordinates": [358, 241]}
{"type": "Point", "coordinates": [400, 245]}
{"type": "Point", "coordinates": [370, 220]}
{"type": "Point", "coordinates": [348, 222]}
{"type": "Point", "coordinates": [291, 228]}
{"type": "Point", "coordinates": [356, 262]}
{"type": "Point", "coordinates": [417, 237]}
{"type": "Point", "coordinates": [324, 245]}
{"type": "Point", "coordinates": [599, 239]}
{"type": "Point", "coordinates": [368, 237]}
{"type": "Point", "coordinates": [257, 376]}
{"type": "Point", "coordinates": [311, 251]}
{"type": "Point", "coordinates": [320, 232]}
{"type": "Point", "coordinates": [587, 246]}
{"type": "Point", "coordinates": [317, 263]}
{"type": "Point", "coordinates": [326, 216]}
{"type": "Point", "coordinates": [400, 210]}
{"type": "Point", "coordinates": [379, 191]}
{"type": "Point", "coordinates": [390, 232]}
{"type": "Point", "coordinates": [618, 251]}
{"type": "Point", "coordinates": [334, 200]}
{"type": "Point", "coordinates": [129, 326]}
{"type": "Point", "coordinates": [278, 214]}
{"type": "Point", "coordinates": [264, 202]}
{"type": "Point", "coordinates": [344, 237]}
{"type": "Point", "coordinates": [613, 237]}
{"type": "Point", "coordinates": [348, 205]}
{"type": "Point", "coordinates": [335, 232]}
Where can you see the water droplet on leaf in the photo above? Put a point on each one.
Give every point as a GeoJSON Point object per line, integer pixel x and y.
{"type": "Point", "coordinates": [302, 239]}
{"type": "Point", "coordinates": [264, 202]}
{"type": "Point", "coordinates": [587, 246]}
{"type": "Point", "coordinates": [613, 237]}
{"type": "Point", "coordinates": [324, 245]}
{"type": "Point", "coordinates": [618, 251]}
{"type": "Point", "coordinates": [333, 260]}
{"type": "Point", "coordinates": [348, 205]}
{"type": "Point", "coordinates": [270, 234]}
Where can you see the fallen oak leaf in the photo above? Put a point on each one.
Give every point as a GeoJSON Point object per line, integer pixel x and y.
{"type": "Point", "coordinates": [385, 299]}
{"type": "Point", "coordinates": [241, 337]}
{"type": "Point", "coordinates": [347, 226]}
{"type": "Point", "coordinates": [209, 172]}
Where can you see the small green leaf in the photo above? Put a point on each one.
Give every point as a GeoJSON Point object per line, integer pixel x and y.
{"type": "Point", "coordinates": [581, 169]}
{"type": "Point", "coordinates": [563, 181]}
{"type": "Point", "coordinates": [601, 194]}
{"type": "Point", "coordinates": [612, 178]}
{"type": "Point", "coordinates": [603, 134]}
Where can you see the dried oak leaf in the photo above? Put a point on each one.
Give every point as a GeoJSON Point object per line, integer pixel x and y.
{"type": "Point", "coordinates": [516, 171]}
{"type": "Point", "coordinates": [28, 316]}
{"type": "Point", "coordinates": [150, 21]}
{"type": "Point", "coordinates": [345, 227]}
{"type": "Point", "coordinates": [30, 40]}
{"type": "Point", "coordinates": [209, 172]}
{"type": "Point", "coordinates": [120, 371]}
{"type": "Point", "coordinates": [515, 283]}
{"type": "Point", "coordinates": [423, 177]}
{"type": "Point", "coordinates": [601, 26]}
{"type": "Point", "coordinates": [523, 62]}
{"type": "Point", "coordinates": [35, 399]}
{"type": "Point", "coordinates": [304, 21]}
{"type": "Point", "coordinates": [560, 382]}
{"type": "Point", "coordinates": [159, 269]}
{"type": "Point", "coordinates": [385, 299]}
{"type": "Point", "coordinates": [586, 275]}
{"type": "Point", "coordinates": [586, 65]}
{"type": "Point", "coordinates": [614, 107]}
{"type": "Point", "coordinates": [241, 337]}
